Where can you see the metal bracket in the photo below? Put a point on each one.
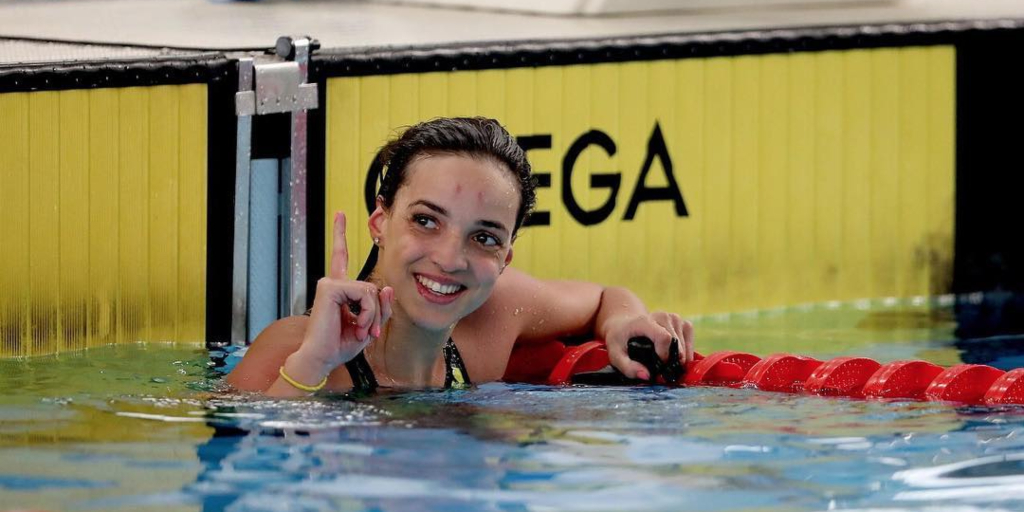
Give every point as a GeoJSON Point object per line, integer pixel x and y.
{"type": "Point", "coordinates": [280, 88]}
{"type": "Point", "coordinates": [270, 85]}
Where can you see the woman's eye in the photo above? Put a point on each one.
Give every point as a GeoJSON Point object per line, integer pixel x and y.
{"type": "Point", "coordinates": [487, 240]}
{"type": "Point", "coordinates": [424, 221]}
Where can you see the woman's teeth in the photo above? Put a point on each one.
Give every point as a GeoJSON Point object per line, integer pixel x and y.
{"type": "Point", "coordinates": [438, 288]}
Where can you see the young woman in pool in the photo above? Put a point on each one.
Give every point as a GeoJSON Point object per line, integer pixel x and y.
{"type": "Point", "coordinates": [442, 306]}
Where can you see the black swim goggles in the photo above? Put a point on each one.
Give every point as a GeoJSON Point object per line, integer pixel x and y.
{"type": "Point", "coordinates": [641, 350]}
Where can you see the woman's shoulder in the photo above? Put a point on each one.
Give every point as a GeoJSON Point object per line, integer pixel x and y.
{"type": "Point", "coordinates": [538, 310]}
{"type": "Point", "coordinates": [265, 355]}
{"type": "Point", "coordinates": [258, 370]}
{"type": "Point", "coordinates": [485, 337]}
{"type": "Point", "coordinates": [507, 295]}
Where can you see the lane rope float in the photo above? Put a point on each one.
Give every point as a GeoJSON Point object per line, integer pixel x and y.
{"type": "Point", "coordinates": [556, 364]}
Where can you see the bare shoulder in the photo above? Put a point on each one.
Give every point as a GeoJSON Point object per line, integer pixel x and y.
{"type": "Point", "coordinates": [485, 337]}
{"type": "Point", "coordinates": [502, 309]}
{"type": "Point", "coordinates": [258, 369]}
{"type": "Point", "coordinates": [523, 309]}
{"type": "Point", "coordinates": [543, 309]}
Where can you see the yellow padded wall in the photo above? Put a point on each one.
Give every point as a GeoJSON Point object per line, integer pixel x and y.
{"type": "Point", "coordinates": [103, 196]}
{"type": "Point", "coordinates": [806, 177]}
{"type": "Point", "coordinates": [14, 229]}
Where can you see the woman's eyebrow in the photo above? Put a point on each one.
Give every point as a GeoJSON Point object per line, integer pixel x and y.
{"type": "Point", "coordinates": [493, 224]}
{"type": "Point", "coordinates": [437, 208]}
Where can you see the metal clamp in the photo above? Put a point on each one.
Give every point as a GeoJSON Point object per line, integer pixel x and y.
{"type": "Point", "coordinates": [270, 85]}
{"type": "Point", "coordinates": [280, 88]}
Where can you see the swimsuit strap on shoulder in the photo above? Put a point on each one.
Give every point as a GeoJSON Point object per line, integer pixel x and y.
{"type": "Point", "coordinates": [455, 374]}
{"type": "Point", "coordinates": [363, 380]}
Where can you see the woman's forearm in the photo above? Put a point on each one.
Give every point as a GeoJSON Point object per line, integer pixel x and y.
{"type": "Point", "coordinates": [616, 303]}
{"type": "Point", "coordinates": [301, 368]}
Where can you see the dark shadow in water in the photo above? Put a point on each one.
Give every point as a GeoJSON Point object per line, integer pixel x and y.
{"type": "Point", "coordinates": [990, 330]}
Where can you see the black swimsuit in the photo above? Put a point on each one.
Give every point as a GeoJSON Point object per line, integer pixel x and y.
{"type": "Point", "coordinates": [455, 374]}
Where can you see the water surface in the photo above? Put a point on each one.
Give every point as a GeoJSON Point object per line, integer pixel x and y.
{"type": "Point", "coordinates": [148, 427]}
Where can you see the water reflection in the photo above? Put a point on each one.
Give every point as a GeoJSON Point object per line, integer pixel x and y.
{"type": "Point", "coordinates": [147, 426]}
{"type": "Point", "coordinates": [501, 447]}
{"type": "Point", "coordinates": [973, 480]}
{"type": "Point", "coordinates": [453, 450]}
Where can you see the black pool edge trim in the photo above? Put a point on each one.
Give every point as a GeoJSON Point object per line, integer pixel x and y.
{"type": "Point", "coordinates": [541, 53]}
{"type": "Point", "coordinates": [220, 200]}
{"type": "Point", "coordinates": [172, 69]}
{"type": "Point", "coordinates": [316, 183]}
{"type": "Point", "coordinates": [988, 252]}
{"type": "Point", "coordinates": [164, 70]}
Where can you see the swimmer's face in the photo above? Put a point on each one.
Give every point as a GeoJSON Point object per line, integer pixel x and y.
{"type": "Point", "coordinates": [447, 236]}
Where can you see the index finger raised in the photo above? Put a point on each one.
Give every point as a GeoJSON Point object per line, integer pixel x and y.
{"type": "Point", "coordinates": [339, 249]}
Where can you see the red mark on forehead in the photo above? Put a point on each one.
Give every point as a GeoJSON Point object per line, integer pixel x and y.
{"type": "Point", "coordinates": [458, 188]}
{"type": "Point", "coordinates": [480, 197]}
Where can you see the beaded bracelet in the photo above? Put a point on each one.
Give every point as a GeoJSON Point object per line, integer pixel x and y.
{"type": "Point", "coordinates": [299, 385]}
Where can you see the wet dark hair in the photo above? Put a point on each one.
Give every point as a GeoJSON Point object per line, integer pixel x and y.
{"type": "Point", "coordinates": [478, 137]}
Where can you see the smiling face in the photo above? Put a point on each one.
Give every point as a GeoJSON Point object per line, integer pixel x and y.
{"type": "Point", "coordinates": [447, 236]}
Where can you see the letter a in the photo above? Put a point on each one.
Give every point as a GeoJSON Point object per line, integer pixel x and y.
{"type": "Point", "coordinates": [656, 148]}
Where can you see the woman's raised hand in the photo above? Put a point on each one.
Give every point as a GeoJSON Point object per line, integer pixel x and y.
{"type": "Point", "coordinates": [346, 314]}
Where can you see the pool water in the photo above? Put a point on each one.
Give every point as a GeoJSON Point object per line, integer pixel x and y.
{"type": "Point", "coordinates": [149, 427]}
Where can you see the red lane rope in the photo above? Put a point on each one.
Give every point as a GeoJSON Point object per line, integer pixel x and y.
{"type": "Point", "coordinates": [856, 377]}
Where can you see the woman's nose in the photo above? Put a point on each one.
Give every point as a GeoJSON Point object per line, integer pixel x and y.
{"type": "Point", "coordinates": [450, 255]}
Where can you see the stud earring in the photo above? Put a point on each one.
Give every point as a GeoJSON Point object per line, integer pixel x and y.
{"type": "Point", "coordinates": [376, 241]}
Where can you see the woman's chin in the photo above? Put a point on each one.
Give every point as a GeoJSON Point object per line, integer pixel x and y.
{"type": "Point", "coordinates": [434, 323]}
{"type": "Point", "coordinates": [432, 317]}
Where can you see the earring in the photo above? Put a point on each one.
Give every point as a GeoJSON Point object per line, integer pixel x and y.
{"type": "Point", "coordinates": [376, 241]}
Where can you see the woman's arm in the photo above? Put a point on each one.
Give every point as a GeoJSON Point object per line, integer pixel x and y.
{"type": "Point", "coordinates": [296, 355]}
{"type": "Point", "coordinates": [553, 309]}
{"type": "Point", "coordinates": [258, 370]}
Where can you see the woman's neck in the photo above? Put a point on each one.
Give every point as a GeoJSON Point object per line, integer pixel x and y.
{"type": "Point", "coordinates": [406, 354]}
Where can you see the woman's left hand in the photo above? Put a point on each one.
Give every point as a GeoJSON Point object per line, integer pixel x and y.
{"type": "Point", "coordinates": [660, 327]}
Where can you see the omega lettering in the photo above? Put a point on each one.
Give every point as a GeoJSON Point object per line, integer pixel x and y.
{"type": "Point", "coordinates": [612, 181]}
